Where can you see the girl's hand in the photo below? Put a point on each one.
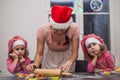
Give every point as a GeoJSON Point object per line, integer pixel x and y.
{"type": "Point", "coordinates": [22, 60]}
{"type": "Point", "coordinates": [92, 54]}
{"type": "Point", "coordinates": [13, 55]}
{"type": "Point", "coordinates": [98, 70]}
{"type": "Point", "coordinates": [66, 67]}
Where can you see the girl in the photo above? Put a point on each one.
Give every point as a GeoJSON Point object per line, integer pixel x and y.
{"type": "Point", "coordinates": [99, 59]}
{"type": "Point", "coordinates": [17, 55]}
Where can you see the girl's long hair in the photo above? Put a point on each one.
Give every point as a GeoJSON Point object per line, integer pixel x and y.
{"type": "Point", "coordinates": [103, 48]}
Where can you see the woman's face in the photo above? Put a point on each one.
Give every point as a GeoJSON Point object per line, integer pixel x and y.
{"type": "Point", "coordinates": [19, 50]}
{"type": "Point", "coordinates": [59, 31]}
{"type": "Point", "coordinates": [93, 49]}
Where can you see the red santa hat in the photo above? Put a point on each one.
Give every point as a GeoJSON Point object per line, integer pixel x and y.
{"type": "Point", "coordinates": [89, 39]}
{"type": "Point", "coordinates": [16, 40]}
{"type": "Point", "coordinates": [60, 17]}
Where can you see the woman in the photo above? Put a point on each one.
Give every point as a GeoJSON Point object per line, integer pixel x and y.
{"type": "Point", "coordinates": [57, 41]}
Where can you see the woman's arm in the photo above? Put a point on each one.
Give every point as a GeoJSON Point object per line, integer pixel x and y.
{"type": "Point", "coordinates": [39, 52]}
{"type": "Point", "coordinates": [75, 45]}
{"type": "Point", "coordinates": [38, 56]}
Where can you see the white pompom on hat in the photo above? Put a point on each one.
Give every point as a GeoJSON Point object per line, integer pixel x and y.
{"type": "Point", "coordinates": [60, 17]}
{"type": "Point", "coordinates": [91, 40]}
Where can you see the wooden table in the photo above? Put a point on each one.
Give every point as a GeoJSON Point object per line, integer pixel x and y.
{"type": "Point", "coordinates": [76, 76]}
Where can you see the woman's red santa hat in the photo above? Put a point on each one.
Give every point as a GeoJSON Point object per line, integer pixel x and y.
{"type": "Point", "coordinates": [89, 39]}
{"type": "Point", "coordinates": [60, 17]}
{"type": "Point", "coordinates": [16, 40]}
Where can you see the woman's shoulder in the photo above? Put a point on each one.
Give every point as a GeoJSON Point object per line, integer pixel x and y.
{"type": "Point", "coordinates": [74, 29]}
{"type": "Point", "coordinates": [74, 25]}
{"type": "Point", "coordinates": [44, 31]}
{"type": "Point", "coordinates": [45, 26]}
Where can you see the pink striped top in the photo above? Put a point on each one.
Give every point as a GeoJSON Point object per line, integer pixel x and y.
{"type": "Point", "coordinates": [105, 62]}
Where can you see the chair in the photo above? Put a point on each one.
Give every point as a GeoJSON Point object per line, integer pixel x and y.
{"type": "Point", "coordinates": [81, 66]}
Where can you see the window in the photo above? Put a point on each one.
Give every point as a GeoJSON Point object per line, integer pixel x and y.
{"type": "Point", "coordinates": [62, 2]}
{"type": "Point", "coordinates": [96, 19]}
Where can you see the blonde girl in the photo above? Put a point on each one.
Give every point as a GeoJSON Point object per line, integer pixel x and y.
{"type": "Point", "coordinates": [99, 59]}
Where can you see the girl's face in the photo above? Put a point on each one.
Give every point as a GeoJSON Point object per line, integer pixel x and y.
{"type": "Point", "coordinates": [93, 49]}
{"type": "Point", "coordinates": [19, 50]}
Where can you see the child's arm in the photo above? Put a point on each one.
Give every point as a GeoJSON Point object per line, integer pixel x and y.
{"type": "Point", "coordinates": [110, 62]}
{"type": "Point", "coordinates": [94, 60]}
{"type": "Point", "coordinates": [24, 62]}
{"type": "Point", "coordinates": [91, 64]}
{"type": "Point", "coordinates": [98, 70]}
{"type": "Point", "coordinates": [11, 65]}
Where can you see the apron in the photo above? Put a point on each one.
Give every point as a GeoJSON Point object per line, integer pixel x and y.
{"type": "Point", "coordinates": [54, 59]}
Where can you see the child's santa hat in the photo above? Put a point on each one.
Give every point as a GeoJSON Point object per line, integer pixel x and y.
{"type": "Point", "coordinates": [16, 40]}
{"type": "Point", "coordinates": [90, 38]}
{"type": "Point", "coordinates": [60, 17]}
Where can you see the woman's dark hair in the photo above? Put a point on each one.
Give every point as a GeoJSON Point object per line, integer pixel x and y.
{"type": "Point", "coordinates": [66, 38]}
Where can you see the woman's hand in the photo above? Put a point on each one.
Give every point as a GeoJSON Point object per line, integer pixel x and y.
{"type": "Point", "coordinates": [31, 67]}
{"type": "Point", "coordinates": [66, 67]}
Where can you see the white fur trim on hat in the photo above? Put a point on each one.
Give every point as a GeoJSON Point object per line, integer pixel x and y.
{"type": "Point", "coordinates": [60, 25]}
{"type": "Point", "coordinates": [18, 42]}
{"type": "Point", "coordinates": [91, 40]}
